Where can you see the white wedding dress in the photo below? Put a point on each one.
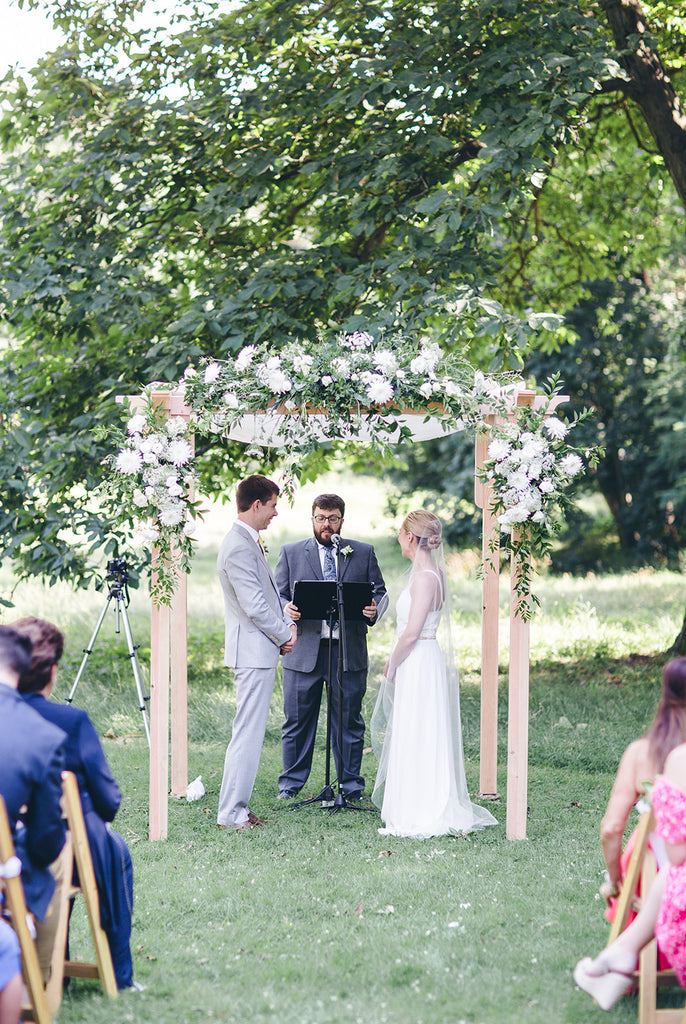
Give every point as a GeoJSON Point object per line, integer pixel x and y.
{"type": "Point", "coordinates": [420, 785]}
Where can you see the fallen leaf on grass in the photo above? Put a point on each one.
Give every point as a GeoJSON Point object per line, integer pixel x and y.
{"type": "Point", "coordinates": [385, 853]}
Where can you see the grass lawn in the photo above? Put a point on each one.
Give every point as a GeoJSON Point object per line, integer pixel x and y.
{"type": "Point", "coordinates": [316, 919]}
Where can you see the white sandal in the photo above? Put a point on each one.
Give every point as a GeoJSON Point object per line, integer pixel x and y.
{"type": "Point", "coordinates": [606, 989]}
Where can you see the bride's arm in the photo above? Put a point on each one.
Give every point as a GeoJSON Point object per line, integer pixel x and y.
{"type": "Point", "coordinates": [423, 597]}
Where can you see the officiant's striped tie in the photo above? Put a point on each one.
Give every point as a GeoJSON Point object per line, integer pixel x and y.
{"type": "Point", "coordinates": [330, 574]}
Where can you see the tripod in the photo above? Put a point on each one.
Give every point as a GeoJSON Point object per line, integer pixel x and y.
{"type": "Point", "coordinates": [118, 577]}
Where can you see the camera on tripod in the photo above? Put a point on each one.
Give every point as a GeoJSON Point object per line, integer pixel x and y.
{"type": "Point", "coordinates": [117, 569]}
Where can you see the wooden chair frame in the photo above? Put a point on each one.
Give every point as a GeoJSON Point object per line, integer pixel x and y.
{"type": "Point", "coordinates": [642, 867]}
{"type": "Point", "coordinates": [102, 968]}
{"type": "Point", "coordinates": [44, 1001]}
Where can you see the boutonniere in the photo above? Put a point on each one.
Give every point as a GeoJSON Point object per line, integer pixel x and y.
{"type": "Point", "coordinates": [346, 551]}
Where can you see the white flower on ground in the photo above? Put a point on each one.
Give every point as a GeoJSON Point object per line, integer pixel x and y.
{"type": "Point", "coordinates": [571, 464]}
{"type": "Point", "coordinates": [379, 390]}
{"type": "Point", "coordinates": [136, 424]}
{"type": "Point", "coordinates": [212, 372]}
{"type": "Point", "coordinates": [555, 427]}
{"type": "Point", "coordinates": [179, 451]}
{"type": "Point", "coordinates": [245, 357]}
{"type": "Point", "coordinates": [129, 461]}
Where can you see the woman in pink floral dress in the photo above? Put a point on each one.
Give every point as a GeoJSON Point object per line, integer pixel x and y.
{"type": "Point", "coordinates": [663, 915]}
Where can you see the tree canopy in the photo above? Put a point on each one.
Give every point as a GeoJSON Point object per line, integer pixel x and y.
{"type": "Point", "coordinates": [286, 168]}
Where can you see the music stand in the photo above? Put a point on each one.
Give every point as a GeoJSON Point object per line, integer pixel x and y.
{"type": "Point", "coordinates": [333, 601]}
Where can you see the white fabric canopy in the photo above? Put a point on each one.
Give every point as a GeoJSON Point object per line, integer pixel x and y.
{"type": "Point", "coordinates": [262, 428]}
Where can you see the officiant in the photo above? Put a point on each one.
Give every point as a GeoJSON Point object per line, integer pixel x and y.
{"type": "Point", "coordinates": [327, 555]}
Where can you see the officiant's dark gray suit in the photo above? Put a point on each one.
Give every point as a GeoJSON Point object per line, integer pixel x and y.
{"type": "Point", "coordinates": [305, 668]}
{"type": "Point", "coordinates": [255, 630]}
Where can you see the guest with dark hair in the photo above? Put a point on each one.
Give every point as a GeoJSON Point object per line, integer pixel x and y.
{"type": "Point", "coordinates": [100, 794]}
{"type": "Point", "coordinates": [641, 762]}
{"type": "Point", "coordinates": [31, 783]}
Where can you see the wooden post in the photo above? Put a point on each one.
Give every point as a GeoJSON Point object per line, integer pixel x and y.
{"type": "Point", "coordinates": [490, 587]}
{"type": "Point", "coordinates": [517, 716]}
{"type": "Point", "coordinates": [168, 662]}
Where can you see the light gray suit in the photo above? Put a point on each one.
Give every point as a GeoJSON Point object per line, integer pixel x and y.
{"type": "Point", "coordinates": [255, 629]}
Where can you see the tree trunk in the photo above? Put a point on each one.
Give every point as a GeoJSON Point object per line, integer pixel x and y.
{"type": "Point", "coordinates": [679, 645]}
{"type": "Point", "coordinates": [649, 87]}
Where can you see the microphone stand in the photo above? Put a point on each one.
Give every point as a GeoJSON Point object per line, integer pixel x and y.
{"type": "Point", "coordinates": [340, 803]}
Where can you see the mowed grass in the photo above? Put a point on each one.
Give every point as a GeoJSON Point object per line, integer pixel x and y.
{"type": "Point", "coordinates": [316, 918]}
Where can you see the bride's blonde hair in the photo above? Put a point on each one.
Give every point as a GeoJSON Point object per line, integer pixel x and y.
{"type": "Point", "coordinates": [425, 526]}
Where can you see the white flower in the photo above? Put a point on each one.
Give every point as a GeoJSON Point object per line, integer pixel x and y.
{"type": "Point", "coordinates": [150, 447]}
{"type": "Point", "coordinates": [212, 372]}
{"type": "Point", "coordinates": [327, 381]}
{"type": "Point", "coordinates": [451, 389]}
{"type": "Point", "coordinates": [245, 357]}
{"type": "Point", "coordinates": [170, 515]}
{"type": "Point", "coordinates": [341, 368]}
{"type": "Point", "coordinates": [155, 474]}
{"type": "Point", "coordinates": [139, 498]}
{"type": "Point", "coordinates": [534, 469]}
{"type": "Point", "coordinates": [538, 517]}
{"type": "Point", "coordinates": [518, 481]}
{"type": "Point", "coordinates": [499, 449]}
{"type": "Point", "coordinates": [136, 424]}
{"type": "Point", "coordinates": [426, 389]}
{"type": "Point", "coordinates": [231, 400]}
{"type": "Point", "coordinates": [278, 382]}
{"type": "Point", "coordinates": [571, 464]}
{"type": "Point", "coordinates": [379, 390]}
{"type": "Point", "coordinates": [555, 427]}
{"type": "Point", "coordinates": [173, 487]}
{"type": "Point", "coordinates": [179, 451]}
{"type": "Point", "coordinates": [302, 364]}
{"type": "Point", "coordinates": [129, 462]}
{"type": "Point", "coordinates": [176, 426]}
{"type": "Point", "coordinates": [386, 361]}
{"type": "Point", "coordinates": [189, 528]}
{"type": "Point", "coordinates": [189, 372]}
{"type": "Point", "coordinates": [358, 340]}
{"type": "Point", "coordinates": [546, 486]}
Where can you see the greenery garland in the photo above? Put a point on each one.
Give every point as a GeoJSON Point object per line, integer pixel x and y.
{"type": "Point", "coordinates": [353, 388]}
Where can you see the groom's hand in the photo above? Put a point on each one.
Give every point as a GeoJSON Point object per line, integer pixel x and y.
{"type": "Point", "coordinates": [292, 612]}
{"type": "Point", "coordinates": [290, 644]}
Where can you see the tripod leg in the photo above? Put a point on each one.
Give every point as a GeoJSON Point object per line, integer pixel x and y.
{"type": "Point", "coordinates": [89, 650]}
{"type": "Point", "coordinates": [121, 605]}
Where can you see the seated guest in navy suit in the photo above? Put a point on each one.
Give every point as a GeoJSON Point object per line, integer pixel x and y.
{"type": "Point", "coordinates": [100, 794]}
{"type": "Point", "coordinates": [31, 765]}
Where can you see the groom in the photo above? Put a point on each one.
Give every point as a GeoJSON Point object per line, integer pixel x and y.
{"type": "Point", "coordinates": [256, 631]}
{"type": "Point", "coordinates": [306, 668]}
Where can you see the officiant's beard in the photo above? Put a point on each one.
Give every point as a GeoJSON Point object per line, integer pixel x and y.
{"type": "Point", "coordinates": [323, 532]}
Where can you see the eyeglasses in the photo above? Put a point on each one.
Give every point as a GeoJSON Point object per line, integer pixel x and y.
{"type": "Point", "coordinates": [334, 520]}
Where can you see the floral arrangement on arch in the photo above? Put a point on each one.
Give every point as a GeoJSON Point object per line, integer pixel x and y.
{"type": "Point", "coordinates": [355, 387]}
{"type": "Point", "coordinates": [154, 483]}
{"type": "Point", "coordinates": [529, 468]}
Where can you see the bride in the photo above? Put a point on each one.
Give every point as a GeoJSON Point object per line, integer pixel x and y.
{"type": "Point", "coordinates": [416, 732]}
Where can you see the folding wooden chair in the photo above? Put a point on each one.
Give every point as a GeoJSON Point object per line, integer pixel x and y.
{"type": "Point", "coordinates": [643, 867]}
{"type": "Point", "coordinates": [102, 969]}
{"type": "Point", "coordinates": [44, 1001]}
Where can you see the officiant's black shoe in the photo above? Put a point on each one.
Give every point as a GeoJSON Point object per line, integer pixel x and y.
{"type": "Point", "coordinates": [288, 794]}
{"type": "Point", "coordinates": [358, 795]}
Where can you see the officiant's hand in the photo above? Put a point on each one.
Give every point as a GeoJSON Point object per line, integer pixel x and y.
{"type": "Point", "coordinates": [371, 610]}
{"type": "Point", "coordinates": [292, 612]}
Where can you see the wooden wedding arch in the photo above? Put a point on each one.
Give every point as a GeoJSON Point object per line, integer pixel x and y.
{"type": "Point", "coordinates": [168, 646]}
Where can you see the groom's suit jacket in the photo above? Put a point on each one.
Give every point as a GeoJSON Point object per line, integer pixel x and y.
{"type": "Point", "coordinates": [255, 626]}
{"type": "Point", "coordinates": [300, 561]}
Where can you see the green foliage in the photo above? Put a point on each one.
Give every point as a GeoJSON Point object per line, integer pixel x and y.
{"type": "Point", "coordinates": [260, 172]}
